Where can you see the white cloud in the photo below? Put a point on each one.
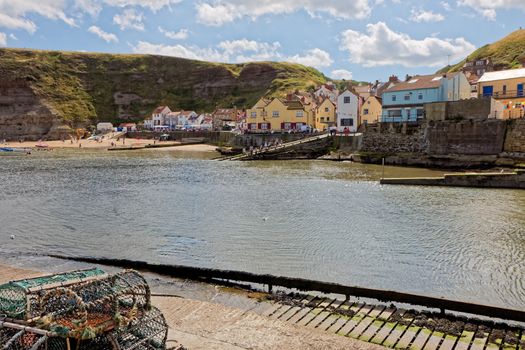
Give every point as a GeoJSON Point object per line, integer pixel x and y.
{"type": "Point", "coordinates": [219, 12]}
{"type": "Point", "coordinates": [382, 46]}
{"type": "Point", "coordinates": [3, 39]}
{"type": "Point", "coordinates": [93, 7]}
{"type": "Point", "coordinates": [425, 16]}
{"type": "Point", "coordinates": [108, 37]}
{"type": "Point", "coordinates": [341, 74]}
{"type": "Point", "coordinates": [249, 50]}
{"type": "Point", "coordinates": [446, 6]}
{"type": "Point", "coordinates": [488, 8]}
{"type": "Point", "coordinates": [13, 37]}
{"type": "Point", "coordinates": [180, 35]}
{"type": "Point", "coordinates": [13, 13]}
{"type": "Point", "coordinates": [129, 18]}
{"type": "Point", "coordinates": [314, 58]}
{"type": "Point", "coordinates": [234, 51]}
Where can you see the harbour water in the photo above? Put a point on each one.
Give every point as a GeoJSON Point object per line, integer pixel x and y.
{"type": "Point", "coordinates": [313, 219]}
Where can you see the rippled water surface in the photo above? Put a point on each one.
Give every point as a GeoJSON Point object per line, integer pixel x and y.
{"type": "Point", "coordinates": [313, 219]}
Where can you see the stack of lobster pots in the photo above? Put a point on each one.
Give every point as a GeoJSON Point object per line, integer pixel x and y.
{"type": "Point", "coordinates": [85, 309]}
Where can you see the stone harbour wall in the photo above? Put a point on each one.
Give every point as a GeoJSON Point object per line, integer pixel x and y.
{"type": "Point", "coordinates": [471, 137]}
{"type": "Point", "coordinates": [515, 137]}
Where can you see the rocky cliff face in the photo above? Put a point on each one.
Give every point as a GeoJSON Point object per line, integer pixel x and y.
{"type": "Point", "coordinates": [23, 115]}
{"type": "Point", "coordinates": [45, 90]}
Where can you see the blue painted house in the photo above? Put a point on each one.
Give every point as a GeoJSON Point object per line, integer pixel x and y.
{"type": "Point", "coordinates": [405, 101]}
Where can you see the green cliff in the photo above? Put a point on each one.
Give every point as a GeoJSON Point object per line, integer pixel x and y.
{"type": "Point", "coordinates": [507, 53]}
{"type": "Point", "coordinates": [84, 88]}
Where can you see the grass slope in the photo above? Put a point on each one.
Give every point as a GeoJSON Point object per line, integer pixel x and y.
{"type": "Point", "coordinates": [84, 87]}
{"type": "Point", "coordinates": [507, 53]}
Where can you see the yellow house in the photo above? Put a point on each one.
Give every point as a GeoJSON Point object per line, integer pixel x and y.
{"type": "Point", "coordinates": [278, 115]}
{"type": "Point", "coordinates": [371, 110]}
{"type": "Point", "coordinates": [325, 115]}
{"type": "Point", "coordinates": [506, 87]}
{"type": "Point", "coordinates": [505, 84]}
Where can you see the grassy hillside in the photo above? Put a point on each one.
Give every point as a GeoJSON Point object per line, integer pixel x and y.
{"type": "Point", "coordinates": [507, 53]}
{"type": "Point", "coordinates": [89, 87]}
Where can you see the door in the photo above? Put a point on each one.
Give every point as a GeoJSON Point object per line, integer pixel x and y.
{"type": "Point", "coordinates": [488, 91]}
{"type": "Point", "coordinates": [520, 90]}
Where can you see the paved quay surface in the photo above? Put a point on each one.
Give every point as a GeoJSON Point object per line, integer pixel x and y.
{"type": "Point", "coordinates": [204, 325]}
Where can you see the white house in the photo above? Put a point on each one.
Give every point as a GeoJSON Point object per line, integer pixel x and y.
{"type": "Point", "coordinates": [159, 115]}
{"type": "Point", "coordinates": [148, 123]}
{"type": "Point", "coordinates": [327, 90]}
{"type": "Point", "coordinates": [104, 127]}
{"type": "Point", "coordinates": [347, 111]}
{"type": "Point", "coordinates": [185, 118]}
{"type": "Point", "coordinates": [172, 119]}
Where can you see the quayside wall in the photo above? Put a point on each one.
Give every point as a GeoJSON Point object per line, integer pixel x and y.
{"type": "Point", "coordinates": [470, 143]}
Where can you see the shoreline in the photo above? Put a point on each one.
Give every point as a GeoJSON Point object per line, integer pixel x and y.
{"type": "Point", "coordinates": [106, 144]}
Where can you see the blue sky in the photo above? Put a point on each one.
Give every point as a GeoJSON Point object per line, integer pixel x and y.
{"type": "Point", "coordinates": [362, 39]}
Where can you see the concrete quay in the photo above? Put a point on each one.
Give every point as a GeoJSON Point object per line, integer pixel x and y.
{"type": "Point", "coordinates": [515, 180]}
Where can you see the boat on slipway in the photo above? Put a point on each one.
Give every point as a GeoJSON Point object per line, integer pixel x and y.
{"type": "Point", "coordinates": [12, 151]}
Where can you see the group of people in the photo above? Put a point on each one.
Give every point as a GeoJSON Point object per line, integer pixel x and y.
{"type": "Point", "coordinates": [263, 147]}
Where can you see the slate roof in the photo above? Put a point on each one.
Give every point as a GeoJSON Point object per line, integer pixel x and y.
{"type": "Point", "coordinates": [502, 75]}
{"type": "Point", "coordinates": [420, 82]}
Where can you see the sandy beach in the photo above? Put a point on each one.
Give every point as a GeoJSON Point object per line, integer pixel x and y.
{"type": "Point", "coordinates": [105, 144]}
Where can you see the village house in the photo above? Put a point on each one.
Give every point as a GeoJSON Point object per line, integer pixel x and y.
{"type": "Point", "coordinates": [507, 89]}
{"type": "Point", "coordinates": [171, 120]}
{"type": "Point", "coordinates": [104, 127]}
{"type": "Point", "coordinates": [405, 101]}
{"type": "Point", "coordinates": [371, 110]}
{"type": "Point", "coordinates": [127, 127]}
{"type": "Point", "coordinates": [278, 115]}
{"type": "Point", "coordinates": [225, 117]}
{"type": "Point", "coordinates": [363, 90]}
{"type": "Point", "coordinates": [325, 115]}
{"type": "Point", "coordinates": [328, 90]}
{"type": "Point", "coordinates": [347, 111]}
{"type": "Point", "coordinates": [159, 115]}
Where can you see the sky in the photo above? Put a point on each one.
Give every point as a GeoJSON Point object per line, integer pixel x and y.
{"type": "Point", "coordinates": [364, 40]}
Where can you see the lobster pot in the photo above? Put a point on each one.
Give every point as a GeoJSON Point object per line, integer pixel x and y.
{"type": "Point", "coordinates": [147, 333]}
{"type": "Point", "coordinates": [21, 300]}
{"type": "Point", "coordinates": [18, 337]}
{"type": "Point", "coordinates": [87, 310]}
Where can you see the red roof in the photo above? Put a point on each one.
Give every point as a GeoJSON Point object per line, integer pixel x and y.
{"type": "Point", "coordinates": [159, 109]}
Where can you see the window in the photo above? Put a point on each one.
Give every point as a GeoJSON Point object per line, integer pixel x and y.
{"type": "Point", "coordinates": [420, 96]}
{"type": "Point", "coordinates": [346, 99]}
{"type": "Point", "coordinates": [394, 97]}
{"type": "Point", "coordinates": [394, 113]}
{"type": "Point", "coordinates": [264, 126]}
{"type": "Point", "coordinates": [326, 109]}
{"type": "Point", "coordinates": [299, 114]}
{"type": "Point", "coordinates": [347, 122]}
{"type": "Point", "coordinates": [254, 114]}
{"type": "Point", "coordinates": [504, 89]}
{"type": "Point", "coordinates": [407, 97]}
{"type": "Point", "coordinates": [253, 126]}
{"type": "Point", "coordinates": [365, 111]}
{"type": "Point", "coordinates": [322, 119]}
{"type": "Point", "coordinates": [275, 114]}
{"type": "Point", "coordinates": [420, 112]}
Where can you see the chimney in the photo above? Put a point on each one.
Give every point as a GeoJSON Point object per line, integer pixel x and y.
{"type": "Point", "coordinates": [393, 79]}
{"type": "Point", "coordinates": [408, 77]}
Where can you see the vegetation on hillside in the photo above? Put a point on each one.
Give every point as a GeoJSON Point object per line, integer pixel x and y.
{"type": "Point", "coordinates": [89, 87]}
{"type": "Point", "coordinates": [507, 53]}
